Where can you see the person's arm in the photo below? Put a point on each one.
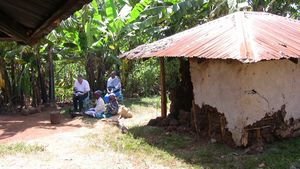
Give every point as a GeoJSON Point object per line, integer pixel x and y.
{"type": "Point", "coordinates": [118, 84]}
{"type": "Point", "coordinates": [109, 85]}
{"type": "Point", "coordinates": [87, 87]}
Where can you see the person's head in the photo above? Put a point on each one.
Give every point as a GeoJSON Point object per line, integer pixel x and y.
{"type": "Point", "coordinates": [98, 93]}
{"type": "Point", "coordinates": [113, 74]}
{"type": "Point", "coordinates": [112, 97]}
{"type": "Point", "coordinates": [80, 79]}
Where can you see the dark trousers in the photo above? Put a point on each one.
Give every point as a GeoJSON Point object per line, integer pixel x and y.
{"type": "Point", "coordinates": [79, 99]}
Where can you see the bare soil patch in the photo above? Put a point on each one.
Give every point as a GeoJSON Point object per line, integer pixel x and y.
{"type": "Point", "coordinates": [20, 128]}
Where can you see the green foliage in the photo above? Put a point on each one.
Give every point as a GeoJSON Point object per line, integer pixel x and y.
{"type": "Point", "coordinates": [65, 78]}
{"type": "Point", "coordinates": [172, 72]}
{"type": "Point", "coordinates": [106, 28]}
{"type": "Point", "coordinates": [144, 78]}
{"type": "Point", "coordinates": [21, 147]}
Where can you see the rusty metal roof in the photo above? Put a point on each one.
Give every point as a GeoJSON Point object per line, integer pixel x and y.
{"type": "Point", "coordinates": [244, 36]}
{"type": "Point", "coordinates": [27, 21]}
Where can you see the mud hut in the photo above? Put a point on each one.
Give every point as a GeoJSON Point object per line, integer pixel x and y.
{"type": "Point", "coordinates": [244, 72]}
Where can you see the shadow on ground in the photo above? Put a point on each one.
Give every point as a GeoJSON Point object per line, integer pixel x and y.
{"type": "Point", "coordinates": [200, 152]}
{"type": "Point", "coordinates": [31, 126]}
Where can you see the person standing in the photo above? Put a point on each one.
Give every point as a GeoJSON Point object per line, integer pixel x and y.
{"type": "Point", "coordinates": [81, 89]}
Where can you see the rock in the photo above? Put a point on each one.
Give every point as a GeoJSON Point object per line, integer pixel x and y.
{"type": "Point", "coordinates": [261, 165]}
{"type": "Point", "coordinates": [173, 122]}
{"type": "Point", "coordinates": [254, 149]}
{"type": "Point", "coordinates": [296, 126]}
{"type": "Point", "coordinates": [155, 122]}
{"type": "Point", "coordinates": [171, 128]}
{"type": "Point", "coordinates": [184, 117]}
{"type": "Point", "coordinates": [135, 95]}
{"type": "Point", "coordinates": [284, 133]}
{"type": "Point", "coordinates": [164, 122]}
{"type": "Point", "coordinates": [296, 133]}
{"type": "Point", "coordinates": [212, 140]}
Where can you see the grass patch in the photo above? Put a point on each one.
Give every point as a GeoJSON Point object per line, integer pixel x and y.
{"type": "Point", "coordinates": [143, 102]}
{"type": "Point", "coordinates": [283, 154]}
{"type": "Point", "coordinates": [140, 149]}
{"type": "Point", "coordinates": [21, 147]}
{"type": "Point", "coordinates": [165, 147]}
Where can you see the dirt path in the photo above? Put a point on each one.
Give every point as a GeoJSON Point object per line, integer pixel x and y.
{"type": "Point", "coordinates": [66, 144]}
{"type": "Point", "coordinates": [20, 128]}
{"type": "Point", "coordinates": [71, 149]}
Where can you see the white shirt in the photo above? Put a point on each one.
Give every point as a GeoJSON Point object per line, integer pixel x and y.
{"type": "Point", "coordinates": [114, 82]}
{"type": "Point", "coordinates": [83, 87]}
{"type": "Point", "coordinates": [100, 105]}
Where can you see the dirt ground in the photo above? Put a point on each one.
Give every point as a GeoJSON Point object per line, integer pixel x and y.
{"type": "Point", "coordinates": [66, 145]}
{"type": "Point", "coordinates": [20, 128]}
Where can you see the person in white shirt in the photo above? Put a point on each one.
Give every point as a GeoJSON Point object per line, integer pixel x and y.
{"type": "Point", "coordinates": [113, 86]}
{"type": "Point", "coordinates": [81, 89]}
{"type": "Point", "coordinates": [98, 111]}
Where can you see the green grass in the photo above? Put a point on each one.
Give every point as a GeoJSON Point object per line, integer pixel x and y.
{"type": "Point", "coordinates": [164, 146]}
{"type": "Point", "coordinates": [183, 150]}
{"type": "Point", "coordinates": [146, 102]}
{"type": "Point", "coordinates": [141, 149]}
{"type": "Point", "coordinates": [21, 147]}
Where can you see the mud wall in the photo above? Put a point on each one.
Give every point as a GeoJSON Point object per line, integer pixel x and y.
{"type": "Point", "coordinates": [245, 93]}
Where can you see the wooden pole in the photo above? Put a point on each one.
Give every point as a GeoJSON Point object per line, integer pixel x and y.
{"type": "Point", "coordinates": [163, 88]}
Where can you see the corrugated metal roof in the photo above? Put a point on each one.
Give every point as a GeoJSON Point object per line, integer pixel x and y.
{"type": "Point", "coordinates": [244, 36]}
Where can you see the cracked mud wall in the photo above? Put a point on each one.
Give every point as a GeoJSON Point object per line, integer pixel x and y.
{"type": "Point", "coordinates": [244, 93]}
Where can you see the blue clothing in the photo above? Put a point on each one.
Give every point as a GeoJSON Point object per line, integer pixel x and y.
{"type": "Point", "coordinates": [112, 107]}
{"type": "Point", "coordinates": [114, 83]}
{"type": "Point", "coordinates": [118, 94]}
{"type": "Point", "coordinates": [103, 115]}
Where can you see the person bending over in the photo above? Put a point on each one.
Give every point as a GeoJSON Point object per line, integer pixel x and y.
{"type": "Point", "coordinates": [81, 89]}
{"type": "Point", "coordinates": [112, 107]}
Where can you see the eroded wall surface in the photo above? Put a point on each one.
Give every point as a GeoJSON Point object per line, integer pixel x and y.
{"type": "Point", "coordinates": [246, 92]}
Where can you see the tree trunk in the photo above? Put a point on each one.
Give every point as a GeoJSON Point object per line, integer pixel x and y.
{"type": "Point", "coordinates": [259, 6]}
{"type": "Point", "coordinates": [101, 84]}
{"type": "Point", "coordinates": [183, 89]}
{"type": "Point", "coordinates": [51, 76]}
{"type": "Point", "coordinates": [15, 97]}
{"type": "Point", "coordinates": [41, 80]}
{"type": "Point", "coordinates": [90, 71]}
{"type": "Point", "coordinates": [7, 87]}
{"type": "Point", "coordinates": [34, 91]}
{"type": "Point", "coordinates": [20, 88]}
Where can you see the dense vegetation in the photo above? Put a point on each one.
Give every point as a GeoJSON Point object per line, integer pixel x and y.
{"type": "Point", "coordinates": [90, 41]}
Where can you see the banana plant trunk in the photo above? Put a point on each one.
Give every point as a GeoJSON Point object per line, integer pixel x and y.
{"type": "Point", "coordinates": [51, 76]}
{"type": "Point", "coordinates": [101, 83]}
{"type": "Point", "coordinates": [34, 88]}
{"type": "Point", "coordinates": [41, 78]}
{"type": "Point", "coordinates": [7, 87]}
{"type": "Point", "coordinates": [15, 98]}
{"type": "Point", "coordinates": [90, 71]}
